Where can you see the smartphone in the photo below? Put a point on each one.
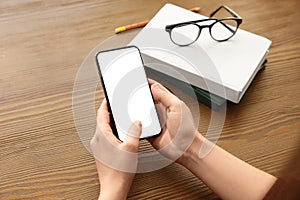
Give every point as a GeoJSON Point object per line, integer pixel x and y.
{"type": "Point", "coordinates": [127, 91]}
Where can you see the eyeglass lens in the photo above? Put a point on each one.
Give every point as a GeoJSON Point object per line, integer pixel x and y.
{"type": "Point", "coordinates": [185, 34]}
{"type": "Point", "coordinates": [224, 29]}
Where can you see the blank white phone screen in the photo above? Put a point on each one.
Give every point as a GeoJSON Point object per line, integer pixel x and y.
{"type": "Point", "coordinates": [128, 92]}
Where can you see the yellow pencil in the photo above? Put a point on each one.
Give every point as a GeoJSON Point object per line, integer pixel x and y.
{"type": "Point", "coordinates": [131, 26]}
{"type": "Point", "coordinates": [195, 9]}
{"type": "Point", "coordinates": [144, 23]}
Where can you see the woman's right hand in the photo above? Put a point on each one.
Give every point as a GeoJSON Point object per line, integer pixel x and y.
{"type": "Point", "coordinates": [178, 129]}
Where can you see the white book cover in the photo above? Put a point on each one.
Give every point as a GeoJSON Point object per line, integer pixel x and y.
{"type": "Point", "coordinates": [235, 62]}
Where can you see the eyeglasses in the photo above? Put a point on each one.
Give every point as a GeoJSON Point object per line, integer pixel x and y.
{"type": "Point", "coordinates": [186, 33]}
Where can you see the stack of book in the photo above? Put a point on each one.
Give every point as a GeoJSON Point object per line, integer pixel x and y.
{"type": "Point", "coordinates": [230, 65]}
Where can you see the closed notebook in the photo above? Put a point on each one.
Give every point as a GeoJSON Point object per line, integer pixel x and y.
{"type": "Point", "coordinates": [235, 62]}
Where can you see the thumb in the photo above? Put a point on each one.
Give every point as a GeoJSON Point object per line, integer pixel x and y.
{"type": "Point", "coordinates": [133, 137]}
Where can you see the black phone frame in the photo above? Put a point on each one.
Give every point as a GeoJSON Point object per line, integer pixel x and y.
{"type": "Point", "coordinates": [113, 124]}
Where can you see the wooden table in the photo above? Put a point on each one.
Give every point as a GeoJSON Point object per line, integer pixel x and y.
{"type": "Point", "coordinates": [43, 43]}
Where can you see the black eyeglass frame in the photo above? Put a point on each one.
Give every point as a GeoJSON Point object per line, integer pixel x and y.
{"type": "Point", "coordinates": [235, 17]}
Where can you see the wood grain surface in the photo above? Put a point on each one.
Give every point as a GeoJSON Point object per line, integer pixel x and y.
{"type": "Point", "coordinates": [42, 45]}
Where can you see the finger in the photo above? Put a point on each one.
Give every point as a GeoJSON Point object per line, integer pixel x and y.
{"type": "Point", "coordinates": [133, 138]}
{"type": "Point", "coordinates": [103, 120]}
{"type": "Point", "coordinates": [103, 114]}
{"type": "Point", "coordinates": [151, 81]}
{"type": "Point", "coordinates": [161, 94]}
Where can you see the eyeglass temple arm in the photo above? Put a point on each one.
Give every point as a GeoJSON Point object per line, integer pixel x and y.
{"type": "Point", "coordinates": [227, 9]}
{"type": "Point", "coordinates": [230, 29]}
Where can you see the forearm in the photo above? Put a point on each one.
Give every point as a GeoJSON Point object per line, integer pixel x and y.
{"type": "Point", "coordinates": [108, 196]}
{"type": "Point", "coordinates": [113, 194]}
{"type": "Point", "coordinates": [115, 188]}
{"type": "Point", "coordinates": [228, 176]}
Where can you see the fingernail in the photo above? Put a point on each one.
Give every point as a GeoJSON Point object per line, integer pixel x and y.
{"type": "Point", "coordinates": [156, 86]}
{"type": "Point", "coordinates": [138, 123]}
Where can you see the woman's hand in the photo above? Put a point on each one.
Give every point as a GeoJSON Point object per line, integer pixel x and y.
{"type": "Point", "coordinates": [178, 127]}
{"type": "Point", "coordinates": [116, 161]}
